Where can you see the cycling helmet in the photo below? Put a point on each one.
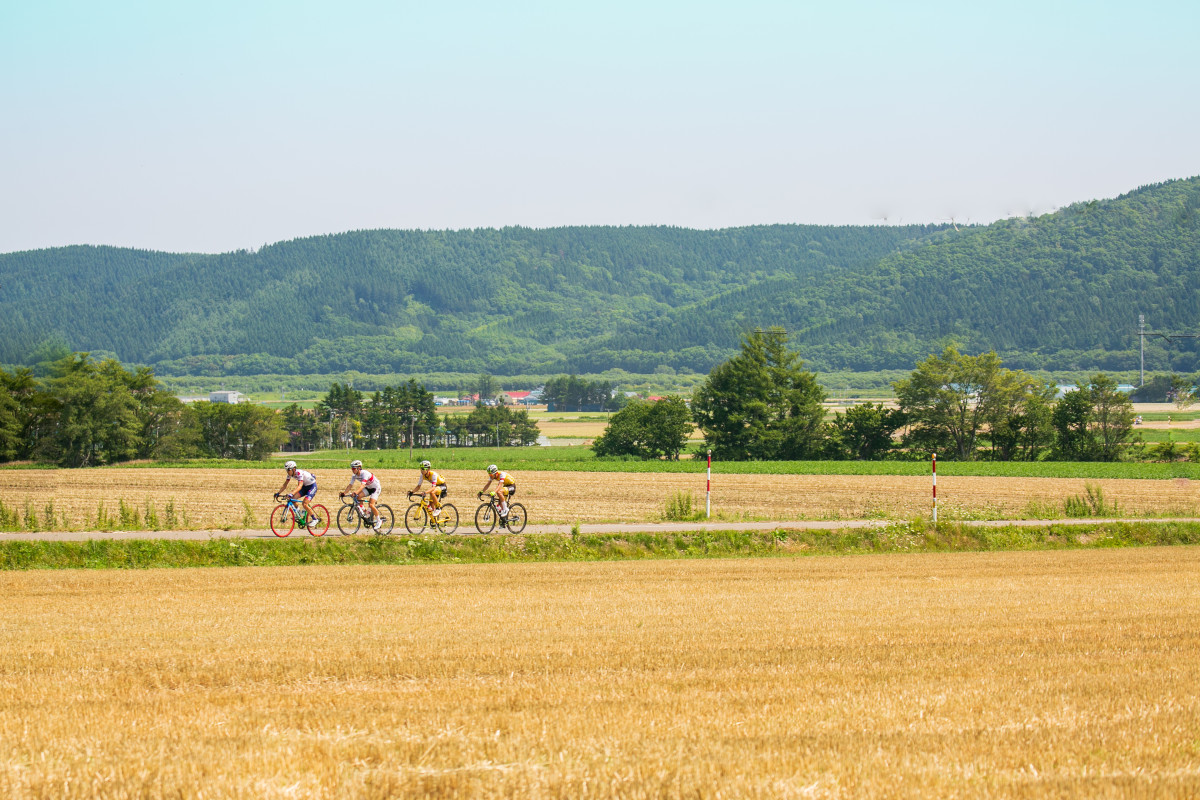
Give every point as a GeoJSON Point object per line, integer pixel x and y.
{"type": "Point", "coordinates": [290, 465]}
{"type": "Point", "coordinates": [493, 469]}
{"type": "Point", "coordinates": [425, 465]}
{"type": "Point", "coordinates": [355, 464]}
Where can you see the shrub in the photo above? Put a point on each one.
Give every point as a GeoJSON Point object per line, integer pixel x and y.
{"type": "Point", "coordinates": [1091, 504]}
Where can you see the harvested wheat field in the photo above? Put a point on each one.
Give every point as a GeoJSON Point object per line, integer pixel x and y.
{"type": "Point", "coordinates": [241, 498]}
{"type": "Point", "coordinates": [1052, 674]}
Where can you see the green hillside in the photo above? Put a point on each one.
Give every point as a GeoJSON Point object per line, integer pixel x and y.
{"type": "Point", "coordinates": [1057, 292]}
{"type": "Point", "coordinates": [509, 301]}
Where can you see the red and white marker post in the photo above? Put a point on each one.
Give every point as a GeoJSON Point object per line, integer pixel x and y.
{"type": "Point", "coordinates": [708, 489]}
{"type": "Point", "coordinates": [935, 488]}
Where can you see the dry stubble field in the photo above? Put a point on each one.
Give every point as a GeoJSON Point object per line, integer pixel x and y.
{"type": "Point", "coordinates": [1049, 674]}
{"type": "Point", "coordinates": [217, 498]}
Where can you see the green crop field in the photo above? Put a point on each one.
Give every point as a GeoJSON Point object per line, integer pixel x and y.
{"type": "Point", "coordinates": [580, 458]}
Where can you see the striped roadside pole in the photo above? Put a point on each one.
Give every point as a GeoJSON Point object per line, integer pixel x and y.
{"type": "Point", "coordinates": [708, 489]}
{"type": "Point", "coordinates": [935, 488]}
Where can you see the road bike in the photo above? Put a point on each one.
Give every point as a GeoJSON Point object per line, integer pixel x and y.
{"type": "Point", "coordinates": [289, 514]}
{"type": "Point", "coordinates": [420, 515]}
{"type": "Point", "coordinates": [355, 514]}
{"type": "Point", "coordinates": [488, 514]}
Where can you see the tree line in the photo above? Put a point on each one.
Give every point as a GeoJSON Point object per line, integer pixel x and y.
{"type": "Point", "coordinates": [764, 405]}
{"type": "Point", "coordinates": [398, 417]}
{"type": "Point", "coordinates": [86, 412]}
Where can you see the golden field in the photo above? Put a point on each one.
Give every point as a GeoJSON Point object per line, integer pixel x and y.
{"type": "Point", "coordinates": [1038, 675]}
{"type": "Point", "coordinates": [218, 498]}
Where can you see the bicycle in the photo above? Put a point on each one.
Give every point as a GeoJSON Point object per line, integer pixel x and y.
{"type": "Point", "coordinates": [420, 515]}
{"type": "Point", "coordinates": [355, 514]}
{"type": "Point", "coordinates": [489, 512]}
{"type": "Point", "coordinates": [286, 516]}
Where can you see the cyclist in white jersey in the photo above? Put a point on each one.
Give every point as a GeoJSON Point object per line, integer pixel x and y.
{"type": "Point", "coordinates": [371, 487]}
{"type": "Point", "coordinates": [306, 490]}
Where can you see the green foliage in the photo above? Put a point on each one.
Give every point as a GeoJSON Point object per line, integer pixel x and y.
{"type": "Point", "coordinates": [952, 400]}
{"type": "Point", "coordinates": [572, 393]}
{"type": "Point", "coordinates": [1090, 504]}
{"type": "Point", "coordinates": [913, 536]}
{"type": "Point", "coordinates": [1093, 422]}
{"type": "Point", "coordinates": [489, 426]}
{"type": "Point", "coordinates": [863, 432]}
{"type": "Point", "coordinates": [761, 404]}
{"type": "Point", "coordinates": [681, 507]}
{"type": "Point", "coordinates": [237, 430]}
{"type": "Point", "coordinates": [645, 429]}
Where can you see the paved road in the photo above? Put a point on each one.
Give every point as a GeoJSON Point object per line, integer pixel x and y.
{"type": "Point", "coordinates": [613, 527]}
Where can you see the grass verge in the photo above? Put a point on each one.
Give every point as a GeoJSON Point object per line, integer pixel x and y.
{"type": "Point", "coordinates": [911, 537]}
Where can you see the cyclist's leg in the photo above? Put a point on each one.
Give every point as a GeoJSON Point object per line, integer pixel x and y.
{"type": "Point", "coordinates": [371, 498]}
{"type": "Point", "coordinates": [503, 495]}
{"type": "Point", "coordinates": [306, 501]}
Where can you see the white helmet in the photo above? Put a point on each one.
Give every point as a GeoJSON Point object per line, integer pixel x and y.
{"type": "Point", "coordinates": [355, 464]}
{"type": "Point", "coordinates": [290, 465]}
{"type": "Point", "coordinates": [493, 469]}
{"type": "Point", "coordinates": [425, 465]}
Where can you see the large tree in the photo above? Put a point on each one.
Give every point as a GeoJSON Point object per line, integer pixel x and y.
{"type": "Point", "coordinates": [1093, 422]}
{"type": "Point", "coordinates": [762, 403]}
{"type": "Point", "coordinates": [864, 432]}
{"type": "Point", "coordinates": [952, 401]}
{"type": "Point", "coordinates": [657, 429]}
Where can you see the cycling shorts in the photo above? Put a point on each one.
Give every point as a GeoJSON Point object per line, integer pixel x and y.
{"type": "Point", "coordinates": [308, 491]}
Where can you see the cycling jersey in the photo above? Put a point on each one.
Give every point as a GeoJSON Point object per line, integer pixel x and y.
{"type": "Point", "coordinates": [433, 477]}
{"type": "Point", "coordinates": [306, 478]}
{"type": "Point", "coordinates": [504, 478]}
{"type": "Point", "coordinates": [367, 479]}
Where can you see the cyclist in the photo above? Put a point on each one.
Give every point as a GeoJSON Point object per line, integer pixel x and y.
{"type": "Point", "coordinates": [437, 487]}
{"type": "Point", "coordinates": [505, 487]}
{"type": "Point", "coordinates": [306, 490]}
{"type": "Point", "coordinates": [370, 487]}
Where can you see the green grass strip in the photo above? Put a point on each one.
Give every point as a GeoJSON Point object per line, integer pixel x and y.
{"type": "Point", "coordinates": [581, 459]}
{"type": "Point", "coordinates": [911, 537]}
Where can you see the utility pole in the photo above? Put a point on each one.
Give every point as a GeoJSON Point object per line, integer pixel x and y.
{"type": "Point", "coordinates": [1142, 339]}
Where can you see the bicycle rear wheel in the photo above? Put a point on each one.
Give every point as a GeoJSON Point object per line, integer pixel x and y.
{"type": "Point", "coordinates": [485, 518]}
{"type": "Point", "coordinates": [385, 518]}
{"type": "Point", "coordinates": [348, 521]}
{"type": "Point", "coordinates": [447, 520]}
{"type": "Point", "coordinates": [414, 518]}
{"type": "Point", "coordinates": [282, 520]}
{"type": "Point", "coordinates": [516, 518]}
{"type": "Point", "coordinates": [320, 525]}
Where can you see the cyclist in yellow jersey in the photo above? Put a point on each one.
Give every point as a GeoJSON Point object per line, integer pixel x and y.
{"type": "Point", "coordinates": [505, 487]}
{"type": "Point", "coordinates": [437, 486]}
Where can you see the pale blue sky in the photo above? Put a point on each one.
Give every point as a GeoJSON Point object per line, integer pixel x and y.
{"type": "Point", "coordinates": [212, 126]}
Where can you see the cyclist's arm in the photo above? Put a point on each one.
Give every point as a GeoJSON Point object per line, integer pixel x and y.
{"type": "Point", "coordinates": [283, 488]}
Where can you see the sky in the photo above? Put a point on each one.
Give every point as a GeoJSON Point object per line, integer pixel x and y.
{"type": "Point", "coordinates": [212, 126]}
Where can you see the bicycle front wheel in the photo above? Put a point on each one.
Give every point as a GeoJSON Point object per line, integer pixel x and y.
{"type": "Point", "coordinates": [414, 518]}
{"type": "Point", "coordinates": [385, 518]}
{"type": "Point", "coordinates": [485, 518]}
{"type": "Point", "coordinates": [516, 517]}
{"type": "Point", "coordinates": [348, 521]}
{"type": "Point", "coordinates": [319, 525]}
{"type": "Point", "coordinates": [447, 520]}
{"type": "Point", "coordinates": [282, 520]}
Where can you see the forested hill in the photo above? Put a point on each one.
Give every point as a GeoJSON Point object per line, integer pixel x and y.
{"type": "Point", "coordinates": [1060, 291]}
{"type": "Point", "coordinates": [505, 301]}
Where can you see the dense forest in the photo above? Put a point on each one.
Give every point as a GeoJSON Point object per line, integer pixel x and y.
{"type": "Point", "coordinates": [1059, 292]}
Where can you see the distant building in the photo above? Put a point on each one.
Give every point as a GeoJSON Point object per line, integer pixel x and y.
{"type": "Point", "coordinates": [224, 397]}
{"type": "Point", "coordinates": [516, 397]}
